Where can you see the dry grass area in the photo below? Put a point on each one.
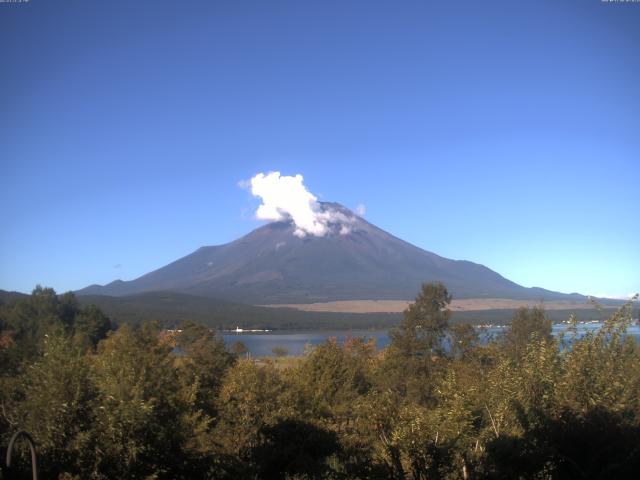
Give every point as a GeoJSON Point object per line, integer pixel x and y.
{"type": "Point", "coordinates": [280, 363]}
{"type": "Point", "coordinates": [460, 305]}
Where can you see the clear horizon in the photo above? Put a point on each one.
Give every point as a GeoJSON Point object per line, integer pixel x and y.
{"type": "Point", "coordinates": [505, 134]}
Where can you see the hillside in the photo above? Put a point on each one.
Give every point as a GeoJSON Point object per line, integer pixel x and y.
{"type": "Point", "coordinates": [170, 309]}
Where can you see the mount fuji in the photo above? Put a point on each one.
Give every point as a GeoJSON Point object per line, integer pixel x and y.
{"type": "Point", "coordinates": [354, 259]}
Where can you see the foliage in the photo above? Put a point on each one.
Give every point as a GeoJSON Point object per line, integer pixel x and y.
{"type": "Point", "coordinates": [425, 323]}
{"type": "Point", "coordinates": [138, 419]}
{"type": "Point", "coordinates": [464, 340]}
{"type": "Point", "coordinates": [143, 403]}
{"type": "Point", "coordinates": [294, 448]}
{"type": "Point", "coordinates": [204, 364]}
{"type": "Point", "coordinates": [54, 400]}
{"type": "Point", "coordinates": [527, 324]}
{"type": "Point", "coordinates": [332, 377]}
{"type": "Point", "coordinates": [26, 321]}
{"type": "Point", "coordinates": [416, 353]}
{"type": "Point", "coordinates": [252, 398]}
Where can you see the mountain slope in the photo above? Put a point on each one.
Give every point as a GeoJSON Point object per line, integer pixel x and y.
{"type": "Point", "coordinates": [272, 265]}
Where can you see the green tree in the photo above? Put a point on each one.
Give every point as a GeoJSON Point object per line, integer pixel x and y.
{"type": "Point", "coordinates": [55, 404]}
{"type": "Point", "coordinates": [376, 420]}
{"type": "Point", "coordinates": [144, 420]}
{"type": "Point", "coordinates": [294, 449]}
{"type": "Point", "coordinates": [331, 377]}
{"type": "Point", "coordinates": [27, 320]}
{"type": "Point", "coordinates": [90, 325]}
{"type": "Point", "coordinates": [602, 369]}
{"type": "Point", "coordinates": [464, 339]}
{"type": "Point", "coordinates": [204, 363]}
{"type": "Point", "coordinates": [425, 322]}
{"type": "Point", "coordinates": [252, 397]}
{"type": "Point", "coordinates": [415, 354]}
{"type": "Point", "coordinates": [527, 324]}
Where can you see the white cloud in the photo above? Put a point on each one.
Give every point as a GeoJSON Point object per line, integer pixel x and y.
{"type": "Point", "coordinates": [361, 209]}
{"type": "Point", "coordinates": [286, 198]}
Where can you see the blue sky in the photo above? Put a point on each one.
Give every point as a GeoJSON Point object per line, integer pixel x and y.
{"type": "Point", "coordinates": [506, 133]}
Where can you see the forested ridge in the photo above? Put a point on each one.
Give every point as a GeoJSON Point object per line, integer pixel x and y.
{"type": "Point", "coordinates": [136, 402]}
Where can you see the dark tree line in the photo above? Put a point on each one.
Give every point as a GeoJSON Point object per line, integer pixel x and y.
{"type": "Point", "coordinates": [136, 402]}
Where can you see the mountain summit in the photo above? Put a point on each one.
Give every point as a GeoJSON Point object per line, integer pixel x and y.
{"type": "Point", "coordinates": [352, 260]}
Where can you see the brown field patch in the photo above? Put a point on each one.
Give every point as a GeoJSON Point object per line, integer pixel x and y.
{"type": "Point", "coordinates": [458, 305]}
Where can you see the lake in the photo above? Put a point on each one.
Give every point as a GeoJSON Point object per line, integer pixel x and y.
{"type": "Point", "coordinates": [261, 344]}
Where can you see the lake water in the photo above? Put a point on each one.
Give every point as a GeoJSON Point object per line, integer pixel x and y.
{"type": "Point", "coordinates": [262, 344]}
